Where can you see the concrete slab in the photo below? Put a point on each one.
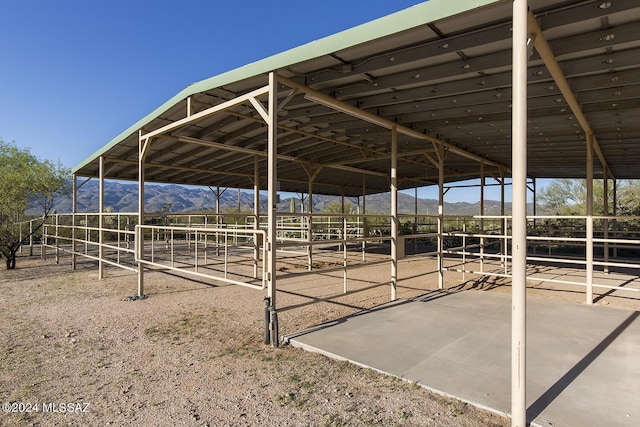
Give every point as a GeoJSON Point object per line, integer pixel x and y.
{"type": "Point", "coordinates": [583, 362]}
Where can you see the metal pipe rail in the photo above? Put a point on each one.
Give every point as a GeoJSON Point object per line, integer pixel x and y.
{"type": "Point", "coordinates": [340, 242]}
{"type": "Point", "coordinates": [571, 235]}
{"type": "Point", "coordinates": [540, 279]}
{"type": "Point", "coordinates": [62, 228]}
{"type": "Point", "coordinates": [196, 268]}
{"type": "Point", "coordinates": [332, 241]}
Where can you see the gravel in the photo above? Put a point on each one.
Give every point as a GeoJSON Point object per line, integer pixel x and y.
{"type": "Point", "coordinates": [74, 352]}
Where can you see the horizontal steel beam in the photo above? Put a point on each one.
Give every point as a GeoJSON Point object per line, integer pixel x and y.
{"type": "Point", "coordinates": [385, 123]}
{"type": "Point", "coordinates": [264, 154]}
{"type": "Point", "coordinates": [545, 52]}
{"type": "Point", "coordinates": [208, 112]}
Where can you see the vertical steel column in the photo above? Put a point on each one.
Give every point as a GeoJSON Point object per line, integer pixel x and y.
{"type": "Point", "coordinates": [615, 214]}
{"type": "Point", "coordinates": [74, 211]}
{"type": "Point", "coordinates": [101, 221]}
{"type": "Point", "coordinates": [310, 224]}
{"type": "Point", "coordinates": [365, 224]}
{"type": "Point", "coordinates": [589, 228]}
{"type": "Point", "coordinates": [344, 219]}
{"type": "Point", "coordinates": [256, 215]}
{"type": "Point", "coordinates": [217, 221]}
{"type": "Point", "coordinates": [519, 222]}
{"type": "Point", "coordinates": [535, 202]}
{"type": "Point", "coordinates": [535, 210]}
{"type": "Point", "coordinates": [57, 228]}
{"type": "Point", "coordinates": [43, 241]}
{"type": "Point", "coordinates": [31, 238]}
{"type": "Point", "coordinates": [482, 239]}
{"type": "Point", "coordinates": [142, 151]}
{"type": "Point", "coordinates": [415, 219]}
{"type": "Point", "coordinates": [272, 182]}
{"type": "Point", "coordinates": [503, 228]}
{"type": "Point", "coordinates": [344, 254]}
{"type": "Point", "coordinates": [605, 223]}
{"type": "Point", "coordinates": [440, 151]}
{"type": "Point", "coordinates": [394, 212]}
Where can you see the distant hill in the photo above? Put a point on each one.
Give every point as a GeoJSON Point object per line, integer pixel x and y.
{"type": "Point", "coordinates": [123, 197]}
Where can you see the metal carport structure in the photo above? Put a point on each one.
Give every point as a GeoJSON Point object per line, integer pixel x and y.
{"type": "Point", "coordinates": [424, 96]}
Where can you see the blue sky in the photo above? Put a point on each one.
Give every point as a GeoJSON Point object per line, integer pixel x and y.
{"type": "Point", "coordinates": [75, 74]}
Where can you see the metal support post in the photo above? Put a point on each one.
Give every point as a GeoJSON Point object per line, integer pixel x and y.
{"type": "Point", "coordinates": [195, 251]}
{"type": "Point", "coordinates": [57, 228]}
{"type": "Point", "coordinates": [74, 223]}
{"type": "Point", "coordinates": [415, 218]}
{"type": "Point", "coordinates": [142, 151]}
{"type": "Point", "coordinates": [217, 220]}
{"type": "Point", "coordinates": [256, 215]}
{"type": "Point", "coordinates": [30, 238]}
{"type": "Point", "coordinates": [464, 250]}
{"type": "Point", "coordinates": [589, 227]}
{"type": "Point", "coordinates": [312, 173]}
{"type": "Point", "coordinates": [310, 225]}
{"type": "Point", "coordinates": [365, 224]}
{"type": "Point", "coordinates": [519, 222]}
{"type": "Point", "coordinates": [605, 223]}
{"type": "Point", "coordinates": [344, 235]}
{"type": "Point", "coordinates": [535, 210]}
{"type": "Point", "coordinates": [505, 245]}
{"type": "Point", "coordinates": [272, 182]}
{"type": "Point", "coordinates": [43, 241]}
{"type": "Point", "coordinates": [394, 212]}
{"type": "Point", "coordinates": [344, 255]}
{"type": "Point", "coordinates": [87, 235]}
{"type": "Point", "coordinates": [101, 221]}
{"type": "Point", "coordinates": [615, 214]}
{"type": "Point", "coordinates": [482, 239]}
{"type": "Point", "coordinates": [440, 151]}
{"type": "Point", "coordinates": [503, 224]}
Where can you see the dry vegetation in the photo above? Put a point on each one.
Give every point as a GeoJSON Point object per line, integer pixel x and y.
{"type": "Point", "coordinates": [190, 354]}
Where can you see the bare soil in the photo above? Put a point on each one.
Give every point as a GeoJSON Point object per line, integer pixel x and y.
{"type": "Point", "coordinates": [74, 352]}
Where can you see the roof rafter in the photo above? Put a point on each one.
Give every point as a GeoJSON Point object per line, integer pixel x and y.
{"type": "Point", "coordinates": [544, 50]}
{"type": "Point", "coordinates": [386, 123]}
{"type": "Point", "coordinates": [252, 152]}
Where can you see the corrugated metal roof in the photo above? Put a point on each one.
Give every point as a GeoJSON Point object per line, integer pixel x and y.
{"type": "Point", "coordinates": [441, 68]}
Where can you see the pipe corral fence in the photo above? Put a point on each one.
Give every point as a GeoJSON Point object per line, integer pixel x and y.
{"type": "Point", "coordinates": [581, 251]}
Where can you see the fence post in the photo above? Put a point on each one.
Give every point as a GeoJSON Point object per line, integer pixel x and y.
{"type": "Point", "coordinates": [57, 240]}
{"type": "Point", "coordinates": [31, 238]}
{"type": "Point", "coordinates": [344, 255]}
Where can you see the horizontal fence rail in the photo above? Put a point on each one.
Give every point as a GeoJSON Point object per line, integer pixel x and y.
{"type": "Point", "coordinates": [204, 252]}
{"type": "Point", "coordinates": [230, 247]}
{"type": "Point", "coordinates": [558, 241]}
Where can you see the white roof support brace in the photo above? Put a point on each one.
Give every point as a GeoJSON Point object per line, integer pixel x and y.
{"type": "Point", "coordinates": [209, 111]}
{"type": "Point", "coordinates": [243, 150]}
{"type": "Point", "coordinates": [323, 99]}
{"type": "Point", "coordinates": [545, 52]}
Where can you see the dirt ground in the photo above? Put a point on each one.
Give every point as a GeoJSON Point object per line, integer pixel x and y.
{"type": "Point", "coordinates": [74, 352]}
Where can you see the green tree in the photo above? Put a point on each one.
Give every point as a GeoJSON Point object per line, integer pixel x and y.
{"type": "Point", "coordinates": [335, 206]}
{"type": "Point", "coordinates": [629, 198]}
{"type": "Point", "coordinates": [25, 182]}
{"type": "Point", "coordinates": [568, 197]}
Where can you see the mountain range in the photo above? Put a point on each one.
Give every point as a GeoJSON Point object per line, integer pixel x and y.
{"type": "Point", "coordinates": [123, 197]}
